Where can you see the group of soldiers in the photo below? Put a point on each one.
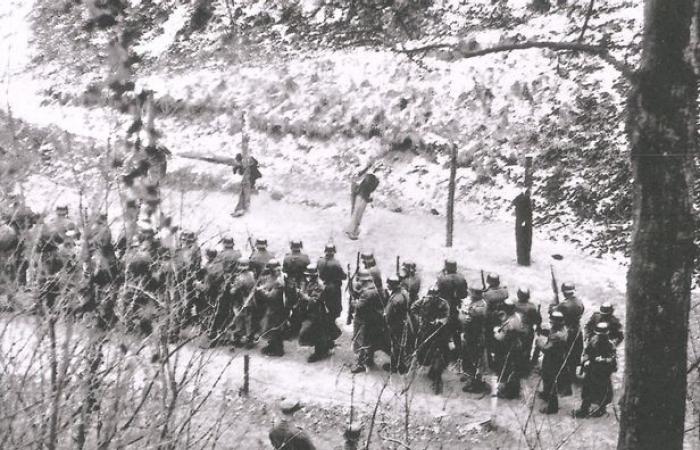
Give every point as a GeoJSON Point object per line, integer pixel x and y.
{"type": "Point", "coordinates": [158, 278]}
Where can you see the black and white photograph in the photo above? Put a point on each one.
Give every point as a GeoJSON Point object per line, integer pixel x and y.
{"type": "Point", "coordinates": [349, 224]}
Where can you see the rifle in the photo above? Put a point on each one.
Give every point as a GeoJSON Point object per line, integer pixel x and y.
{"type": "Point", "coordinates": [483, 281]}
{"type": "Point", "coordinates": [351, 307]}
{"type": "Point", "coordinates": [250, 241]}
{"type": "Point", "coordinates": [536, 350]}
{"type": "Point", "coordinates": [398, 272]}
{"type": "Point", "coordinates": [211, 159]}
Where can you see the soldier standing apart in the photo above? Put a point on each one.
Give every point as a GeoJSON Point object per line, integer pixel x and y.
{"type": "Point", "coordinates": [572, 309]}
{"type": "Point", "coordinates": [605, 315]}
{"type": "Point", "coordinates": [452, 286]}
{"type": "Point", "coordinates": [509, 361]}
{"type": "Point", "coordinates": [433, 313]}
{"type": "Point", "coordinates": [368, 326]}
{"type": "Point", "coordinates": [315, 318]}
{"type": "Point", "coordinates": [294, 266]}
{"type": "Point", "coordinates": [396, 319]}
{"type": "Point", "coordinates": [270, 296]}
{"type": "Point", "coordinates": [332, 274]}
{"type": "Point", "coordinates": [599, 363]}
{"type": "Point", "coordinates": [553, 346]}
{"type": "Point", "coordinates": [286, 435]}
{"type": "Point", "coordinates": [531, 318]}
{"type": "Point", "coordinates": [474, 361]}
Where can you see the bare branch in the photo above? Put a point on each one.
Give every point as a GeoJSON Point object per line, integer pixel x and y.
{"type": "Point", "coordinates": [589, 13]}
{"type": "Point", "coordinates": [600, 51]}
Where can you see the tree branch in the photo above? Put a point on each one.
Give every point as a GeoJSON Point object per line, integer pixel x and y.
{"type": "Point", "coordinates": [589, 13]}
{"type": "Point", "coordinates": [600, 51]}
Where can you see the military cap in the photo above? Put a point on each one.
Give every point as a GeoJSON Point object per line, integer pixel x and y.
{"type": "Point", "coordinates": [296, 244]}
{"type": "Point", "coordinates": [187, 236]}
{"type": "Point", "coordinates": [432, 291]}
{"type": "Point", "coordinates": [227, 241]}
{"type": "Point", "coordinates": [601, 328]}
{"type": "Point", "coordinates": [62, 208]}
{"type": "Point", "coordinates": [211, 253]}
{"type": "Point", "coordinates": [146, 229]}
{"type": "Point", "coordinates": [493, 278]}
{"type": "Point", "coordinates": [523, 294]}
{"type": "Point", "coordinates": [261, 242]}
{"type": "Point", "coordinates": [367, 255]}
{"type": "Point", "coordinates": [101, 218]}
{"type": "Point", "coordinates": [243, 262]}
{"type": "Point", "coordinates": [273, 264]}
{"type": "Point", "coordinates": [289, 406]}
{"type": "Point", "coordinates": [557, 316]}
{"type": "Point", "coordinates": [311, 269]}
{"type": "Point", "coordinates": [409, 265]}
{"type": "Point", "coordinates": [508, 304]}
{"type": "Point", "coordinates": [606, 308]}
{"type": "Point", "coordinates": [329, 248]}
{"type": "Point", "coordinates": [568, 288]}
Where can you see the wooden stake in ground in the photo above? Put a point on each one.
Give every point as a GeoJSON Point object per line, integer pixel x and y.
{"type": "Point", "coordinates": [451, 196]}
{"type": "Point", "coordinates": [244, 197]}
{"type": "Point", "coordinates": [523, 218]}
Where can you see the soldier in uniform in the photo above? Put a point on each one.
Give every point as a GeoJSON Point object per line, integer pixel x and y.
{"type": "Point", "coordinates": [139, 299]}
{"type": "Point", "coordinates": [270, 298]}
{"type": "Point", "coordinates": [242, 299]}
{"type": "Point", "coordinates": [215, 299]}
{"type": "Point", "coordinates": [396, 319]}
{"type": "Point", "coordinates": [531, 319]}
{"type": "Point", "coordinates": [370, 264]}
{"type": "Point", "coordinates": [21, 219]}
{"type": "Point", "coordinates": [229, 255]}
{"type": "Point", "coordinates": [286, 435]}
{"type": "Point", "coordinates": [61, 223]}
{"type": "Point", "coordinates": [317, 320]}
{"type": "Point", "coordinates": [572, 308]}
{"type": "Point", "coordinates": [433, 314]}
{"type": "Point", "coordinates": [553, 346]}
{"type": "Point", "coordinates": [599, 363]}
{"type": "Point", "coordinates": [49, 267]}
{"type": "Point", "coordinates": [495, 295]}
{"type": "Point", "coordinates": [294, 266]}
{"type": "Point", "coordinates": [260, 257]}
{"type": "Point", "coordinates": [368, 326]}
{"type": "Point", "coordinates": [188, 265]}
{"type": "Point", "coordinates": [452, 286]}
{"type": "Point", "coordinates": [332, 274]}
{"type": "Point", "coordinates": [410, 280]}
{"type": "Point", "coordinates": [606, 315]}
{"type": "Point", "coordinates": [474, 320]}
{"type": "Point", "coordinates": [509, 354]}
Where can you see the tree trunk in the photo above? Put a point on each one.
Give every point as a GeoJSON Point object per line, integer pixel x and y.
{"type": "Point", "coordinates": [661, 127]}
{"type": "Point", "coordinates": [451, 196]}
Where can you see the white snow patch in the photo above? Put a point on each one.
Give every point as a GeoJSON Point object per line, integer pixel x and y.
{"type": "Point", "coordinates": [159, 44]}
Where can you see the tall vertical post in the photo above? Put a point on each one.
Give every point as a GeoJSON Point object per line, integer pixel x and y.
{"type": "Point", "coordinates": [523, 218]}
{"type": "Point", "coordinates": [244, 198]}
{"type": "Point", "coordinates": [246, 376]}
{"type": "Point", "coordinates": [451, 196]}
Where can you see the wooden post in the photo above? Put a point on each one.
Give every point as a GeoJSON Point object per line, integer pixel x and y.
{"type": "Point", "coordinates": [451, 196]}
{"type": "Point", "coordinates": [528, 174]}
{"type": "Point", "coordinates": [244, 198]}
{"type": "Point", "coordinates": [246, 376]}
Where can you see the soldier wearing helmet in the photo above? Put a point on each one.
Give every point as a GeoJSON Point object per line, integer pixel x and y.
{"type": "Point", "coordinates": [332, 274]}
{"type": "Point", "coordinates": [229, 255]}
{"type": "Point", "coordinates": [433, 313]}
{"type": "Point", "coordinates": [316, 319]}
{"type": "Point", "coordinates": [243, 304]}
{"type": "Point", "coordinates": [294, 266]}
{"type": "Point", "coordinates": [474, 362]}
{"type": "Point", "coordinates": [572, 308]}
{"type": "Point", "coordinates": [606, 314]}
{"type": "Point", "coordinates": [260, 257]}
{"type": "Point", "coordinates": [370, 264]}
{"type": "Point", "coordinates": [531, 318]}
{"type": "Point", "coordinates": [410, 280]}
{"type": "Point", "coordinates": [395, 317]}
{"type": "Point", "coordinates": [554, 348]}
{"type": "Point", "coordinates": [270, 296]}
{"type": "Point", "coordinates": [599, 363]}
{"type": "Point", "coordinates": [508, 351]}
{"type": "Point", "coordinates": [452, 286]}
{"type": "Point", "coordinates": [368, 326]}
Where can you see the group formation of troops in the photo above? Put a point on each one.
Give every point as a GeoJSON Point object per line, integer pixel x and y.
{"type": "Point", "coordinates": [159, 278]}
